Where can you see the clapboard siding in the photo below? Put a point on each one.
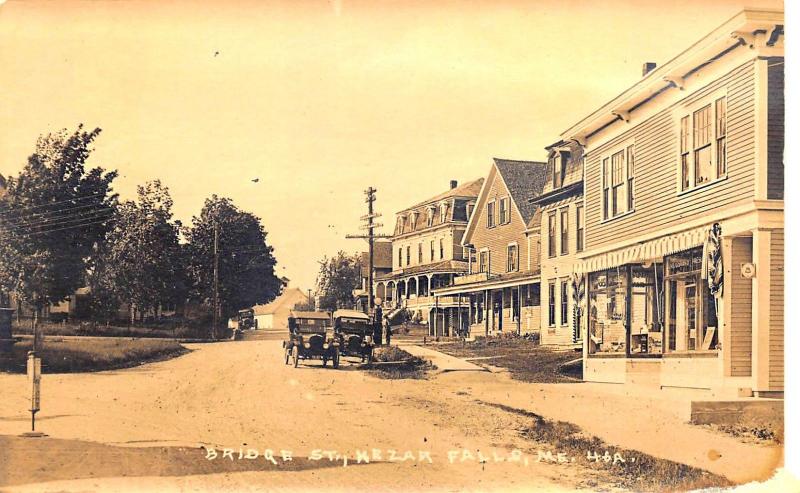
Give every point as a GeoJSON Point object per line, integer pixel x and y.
{"type": "Point", "coordinates": [496, 239]}
{"type": "Point", "coordinates": [657, 203]}
{"type": "Point", "coordinates": [741, 323]}
{"type": "Point", "coordinates": [775, 140]}
{"type": "Point", "coordinates": [776, 311]}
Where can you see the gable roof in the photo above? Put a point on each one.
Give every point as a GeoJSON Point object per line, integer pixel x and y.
{"type": "Point", "coordinates": [468, 189]}
{"type": "Point", "coordinates": [524, 180]}
{"type": "Point", "coordinates": [287, 299]}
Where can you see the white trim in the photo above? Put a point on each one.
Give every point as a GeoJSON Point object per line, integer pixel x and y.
{"type": "Point", "coordinates": [477, 205]}
{"type": "Point", "coordinates": [699, 53]}
{"type": "Point", "coordinates": [687, 110]}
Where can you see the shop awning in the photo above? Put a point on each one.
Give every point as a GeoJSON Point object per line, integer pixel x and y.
{"type": "Point", "coordinates": [648, 250]}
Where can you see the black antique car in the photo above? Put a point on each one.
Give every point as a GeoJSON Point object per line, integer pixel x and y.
{"type": "Point", "coordinates": [354, 330]}
{"type": "Point", "coordinates": [311, 336]}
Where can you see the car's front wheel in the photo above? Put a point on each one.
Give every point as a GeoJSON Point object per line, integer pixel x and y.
{"type": "Point", "coordinates": [295, 356]}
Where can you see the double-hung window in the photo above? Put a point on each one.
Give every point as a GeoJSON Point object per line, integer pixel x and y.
{"type": "Point", "coordinates": [551, 301]}
{"type": "Point", "coordinates": [703, 144]}
{"type": "Point", "coordinates": [432, 250]}
{"type": "Point", "coordinates": [483, 261]}
{"type": "Point", "coordinates": [490, 214]}
{"type": "Point", "coordinates": [564, 303]}
{"type": "Point", "coordinates": [441, 249]}
{"type": "Point", "coordinates": [618, 175]}
{"type": "Point", "coordinates": [512, 262]}
{"type": "Point", "coordinates": [579, 227]}
{"type": "Point", "coordinates": [419, 253]}
{"type": "Point", "coordinates": [551, 234]}
{"type": "Point", "coordinates": [408, 255]}
{"type": "Point", "coordinates": [564, 231]}
{"type": "Point", "coordinates": [505, 217]}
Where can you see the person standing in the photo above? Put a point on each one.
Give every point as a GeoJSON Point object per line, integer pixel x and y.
{"type": "Point", "coordinates": [377, 325]}
{"type": "Point", "coordinates": [388, 331]}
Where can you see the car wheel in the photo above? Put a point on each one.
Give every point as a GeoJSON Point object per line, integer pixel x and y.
{"type": "Point", "coordinates": [295, 356]}
{"type": "Point", "coordinates": [287, 353]}
{"type": "Point", "coordinates": [336, 358]}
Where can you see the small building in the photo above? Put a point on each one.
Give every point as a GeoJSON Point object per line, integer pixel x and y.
{"type": "Point", "coordinates": [274, 315]}
{"type": "Point", "coordinates": [381, 266]}
{"type": "Point", "coordinates": [500, 292]}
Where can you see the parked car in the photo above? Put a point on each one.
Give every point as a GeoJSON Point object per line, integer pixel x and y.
{"type": "Point", "coordinates": [311, 336]}
{"type": "Point", "coordinates": [354, 330]}
{"type": "Point", "coordinates": [246, 319]}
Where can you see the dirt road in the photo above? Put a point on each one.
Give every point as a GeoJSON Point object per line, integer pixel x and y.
{"type": "Point", "coordinates": [150, 428]}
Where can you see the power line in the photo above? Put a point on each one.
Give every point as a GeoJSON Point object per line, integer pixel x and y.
{"type": "Point", "coordinates": [51, 221]}
{"type": "Point", "coordinates": [76, 226]}
{"type": "Point", "coordinates": [74, 199]}
{"type": "Point", "coordinates": [44, 215]}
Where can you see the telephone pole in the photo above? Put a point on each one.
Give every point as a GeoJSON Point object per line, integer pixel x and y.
{"type": "Point", "coordinates": [216, 280]}
{"type": "Point", "coordinates": [370, 225]}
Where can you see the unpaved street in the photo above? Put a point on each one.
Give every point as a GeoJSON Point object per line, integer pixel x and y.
{"type": "Point", "coordinates": [242, 395]}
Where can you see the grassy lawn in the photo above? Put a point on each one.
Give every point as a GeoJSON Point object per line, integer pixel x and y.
{"type": "Point", "coordinates": [73, 328]}
{"type": "Point", "coordinates": [631, 469]}
{"type": "Point", "coordinates": [391, 362]}
{"type": "Point", "coordinates": [86, 354]}
{"type": "Point", "coordinates": [523, 358]}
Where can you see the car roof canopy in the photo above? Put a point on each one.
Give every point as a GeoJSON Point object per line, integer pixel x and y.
{"type": "Point", "coordinates": [314, 315]}
{"type": "Point", "coordinates": [350, 314]}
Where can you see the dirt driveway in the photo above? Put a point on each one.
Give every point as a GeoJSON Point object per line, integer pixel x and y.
{"type": "Point", "coordinates": [150, 428]}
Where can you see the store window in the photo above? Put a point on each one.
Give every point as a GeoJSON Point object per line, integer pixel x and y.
{"type": "Point", "coordinates": [647, 308]}
{"type": "Point", "coordinates": [691, 311]}
{"type": "Point", "coordinates": [607, 308]}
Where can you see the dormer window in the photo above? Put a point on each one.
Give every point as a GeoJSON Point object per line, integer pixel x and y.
{"type": "Point", "coordinates": [401, 224]}
{"type": "Point", "coordinates": [558, 167]}
{"type": "Point", "coordinates": [443, 212]}
{"type": "Point", "coordinates": [414, 216]}
{"type": "Point", "coordinates": [470, 208]}
{"type": "Point", "coordinates": [431, 215]}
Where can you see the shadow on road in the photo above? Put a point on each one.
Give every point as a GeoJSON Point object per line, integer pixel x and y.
{"type": "Point", "coordinates": [34, 460]}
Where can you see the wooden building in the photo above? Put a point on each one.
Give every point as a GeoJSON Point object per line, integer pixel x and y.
{"type": "Point", "coordinates": [500, 292]}
{"type": "Point", "coordinates": [697, 142]}
{"type": "Point", "coordinates": [427, 252]}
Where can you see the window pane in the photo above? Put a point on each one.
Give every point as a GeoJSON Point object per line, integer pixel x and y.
{"type": "Point", "coordinates": [564, 232]}
{"type": "Point", "coordinates": [704, 170]}
{"type": "Point", "coordinates": [702, 127]}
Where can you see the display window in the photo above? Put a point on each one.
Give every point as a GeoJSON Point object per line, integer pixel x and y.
{"type": "Point", "coordinates": [691, 309]}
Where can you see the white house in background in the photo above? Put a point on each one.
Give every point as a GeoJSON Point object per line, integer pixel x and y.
{"type": "Point", "coordinates": [273, 315]}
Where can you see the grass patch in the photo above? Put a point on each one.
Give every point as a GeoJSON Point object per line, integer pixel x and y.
{"type": "Point", "coordinates": [639, 472]}
{"type": "Point", "coordinates": [90, 354]}
{"type": "Point", "coordinates": [170, 330]}
{"type": "Point", "coordinates": [393, 363]}
{"type": "Point", "coordinates": [525, 359]}
{"type": "Point", "coordinates": [768, 433]}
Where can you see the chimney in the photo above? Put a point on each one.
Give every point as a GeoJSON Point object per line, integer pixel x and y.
{"type": "Point", "coordinates": [648, 67]}
{"type": "Point", "coordinates": [453, 184]}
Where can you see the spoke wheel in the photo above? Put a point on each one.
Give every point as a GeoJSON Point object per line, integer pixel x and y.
{"type": "Point", "coordinates": [295, 356]}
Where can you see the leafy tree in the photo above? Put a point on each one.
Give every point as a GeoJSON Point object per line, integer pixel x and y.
{"type": "Point", "coordinates": [52, 218]}
{"type": "Point", "coordinates": [338, 277]}
{"type": "Point", "coordinates": [246, 263]}
{"type": "Point", "coordinates": [141, 261]}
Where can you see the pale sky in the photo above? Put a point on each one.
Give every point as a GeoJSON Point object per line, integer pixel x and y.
{"type": "Point", "coordinates": [321, 99]}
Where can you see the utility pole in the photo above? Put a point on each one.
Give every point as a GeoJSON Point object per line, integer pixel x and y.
{"type": "Point", "coordinates": [216, 280]}
{"type": "Point", "coordinates": [370, 225]}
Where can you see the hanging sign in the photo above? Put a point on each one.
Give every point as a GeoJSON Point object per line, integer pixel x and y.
{"type": "Point", "coordinates": [748, 270]}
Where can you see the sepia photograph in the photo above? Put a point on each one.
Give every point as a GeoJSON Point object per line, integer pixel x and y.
{"type": "Point", "coordinates": [395, 246]}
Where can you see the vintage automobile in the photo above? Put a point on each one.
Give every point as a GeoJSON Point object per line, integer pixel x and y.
{"type": "Point", "coordinates": [246, 319]}
{"type": "Point", "coordinates": [311, 336]}
{"type": "Point", "coordinates": [354, 330]}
